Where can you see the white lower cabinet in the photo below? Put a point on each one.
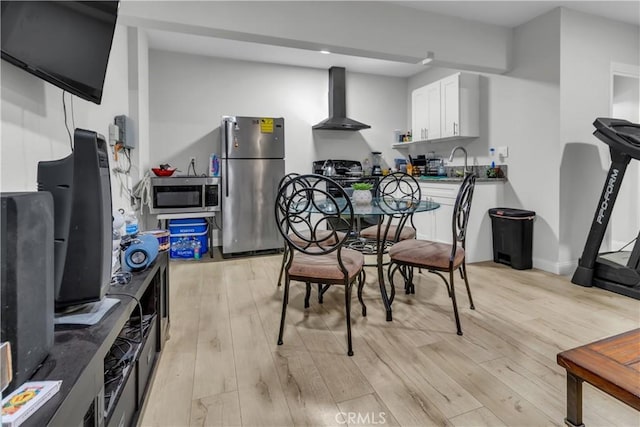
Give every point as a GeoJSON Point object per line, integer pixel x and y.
{"type": "Point", "coordinates": [436, 225]}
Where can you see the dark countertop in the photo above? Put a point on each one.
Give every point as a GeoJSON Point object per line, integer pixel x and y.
{"type": "Point", "coordinates": [454, 180]}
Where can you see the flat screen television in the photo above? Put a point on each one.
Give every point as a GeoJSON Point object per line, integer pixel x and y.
{"type": "Point", "coordinates": [81, 188]}
{"type": "Point", "coordinates": [66, 43]}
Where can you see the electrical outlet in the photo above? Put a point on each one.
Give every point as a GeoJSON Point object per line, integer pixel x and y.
{"type": "Point", "coordinates": [503, 151]}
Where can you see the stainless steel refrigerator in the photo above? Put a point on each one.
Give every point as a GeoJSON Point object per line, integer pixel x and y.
{"type": "Point", "coordinates": [252, 165]}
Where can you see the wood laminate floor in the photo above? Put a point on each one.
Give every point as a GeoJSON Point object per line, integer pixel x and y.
{"type": "Point", "coordinates": [221, 365]}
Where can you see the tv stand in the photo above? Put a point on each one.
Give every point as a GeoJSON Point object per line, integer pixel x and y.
{"type": "Point", "coordinates": [90, 393]}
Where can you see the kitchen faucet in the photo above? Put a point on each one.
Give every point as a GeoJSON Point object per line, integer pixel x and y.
{"type": "Point", "coordinates": [456, 148]}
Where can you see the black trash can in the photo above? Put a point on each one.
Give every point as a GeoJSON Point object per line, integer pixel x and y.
{"type": "Point", "coordinates": [512, 237]}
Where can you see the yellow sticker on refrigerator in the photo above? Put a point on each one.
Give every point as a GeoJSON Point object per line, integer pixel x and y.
{"type": "Point", "coordinates": [266, 125]}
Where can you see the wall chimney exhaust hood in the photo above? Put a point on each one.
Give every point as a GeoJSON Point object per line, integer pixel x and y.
{"type": "Point", "coordinates": [338, 119]}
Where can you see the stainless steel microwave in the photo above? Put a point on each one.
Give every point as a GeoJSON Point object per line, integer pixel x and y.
{"type": "Point", "coordinates": [189, 194]}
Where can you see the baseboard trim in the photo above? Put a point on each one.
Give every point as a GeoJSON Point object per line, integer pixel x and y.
{"type": "Point", "coordinates": [564, 268]}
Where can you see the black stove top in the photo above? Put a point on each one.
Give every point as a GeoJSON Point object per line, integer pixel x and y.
{"type": "Point", "coordinates": [344, 168]}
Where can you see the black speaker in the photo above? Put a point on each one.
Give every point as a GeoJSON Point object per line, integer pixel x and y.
{"type": "Point", "coordinates": [26, 295]}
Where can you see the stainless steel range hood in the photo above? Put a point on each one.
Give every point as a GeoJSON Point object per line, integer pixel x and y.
{"type": "Point", "coordinates": [338, 119]}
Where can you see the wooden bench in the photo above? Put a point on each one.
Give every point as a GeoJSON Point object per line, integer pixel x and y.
{"type": "Point", "coordinates": [611, 364]}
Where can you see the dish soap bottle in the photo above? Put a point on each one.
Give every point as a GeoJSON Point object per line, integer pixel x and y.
{"type": "Point", "coordinates": [441, 170]}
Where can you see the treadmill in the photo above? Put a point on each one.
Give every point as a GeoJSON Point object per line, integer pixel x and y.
{"type": "Point", "coordinates": [612, 271]}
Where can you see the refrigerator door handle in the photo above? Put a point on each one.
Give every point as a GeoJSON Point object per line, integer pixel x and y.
{"type": "Point", "coordinates": [226, 156]}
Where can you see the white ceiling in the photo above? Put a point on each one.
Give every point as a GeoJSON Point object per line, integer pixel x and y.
{"type": "Point", "coordinates": [504, 13]}
{"type": "Point", "coordinates": [513, 13]}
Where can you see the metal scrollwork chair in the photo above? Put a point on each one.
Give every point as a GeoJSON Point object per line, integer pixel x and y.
{"type": "Point", "coordinates": [308, 218]}
{"type": "Point", "coordinates": [396, 185]}
{"type": "Point", "coordinates": [438, 257]}
{"type": "Point", "coordinates": [285, 179]}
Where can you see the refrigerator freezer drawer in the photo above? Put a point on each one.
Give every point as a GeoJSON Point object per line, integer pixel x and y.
{"type": "Point", "coordinates": [249, 190]}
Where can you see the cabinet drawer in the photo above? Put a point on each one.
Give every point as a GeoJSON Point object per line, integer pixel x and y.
{"type": "Point", "coordinates": [439, 190]}
{"type": "Point", "coordinates": [147, 359]}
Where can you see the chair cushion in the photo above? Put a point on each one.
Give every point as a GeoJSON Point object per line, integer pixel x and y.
{"type": "Point", "coordinates": [325, 268]}
{"type": "Point", "coordinates": [320, 235]}
{"type": "Point", "coordinates": [406, 233]}
{"type": "Point", "coordinates": [425, 254]}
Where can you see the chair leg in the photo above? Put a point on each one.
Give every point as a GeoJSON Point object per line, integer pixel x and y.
{"type": "Point", "coordinates": [390, 275]}
{"type": "Point", "coordinates": [307, 295]}
{"type": "Point", "coordinates": [407, 279]}
{"type": "Point", "coordinates": [466, 283]}
{"type": "Point", "coordinates": [347, 303]}
{"type": "Point", "coordinates": [285, 301]}
{"type": "Point", "coordinates": [455, 304]}
{"type": "Point", "coordinates": [362, 277]}
{"type": "Point", "coordinates": [412, 286]}
{"type": "Point", "coordinates": [284, 262]}
{"type": "Point", "coordinates": [320, 293]}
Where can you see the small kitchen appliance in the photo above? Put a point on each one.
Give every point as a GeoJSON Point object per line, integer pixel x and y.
{"type": "Point", "coordinates": [192, 194]}
{"type": "Point", "coordinates": [376, 169]}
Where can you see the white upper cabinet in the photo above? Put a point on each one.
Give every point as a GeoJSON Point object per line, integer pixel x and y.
{"type": "Point", "coordinates": [448, 108]}
{"type": "Point", "coordinates": [434, 116]}
{"type": "Point", "coordinates": [419, 113]}
{"type": "Point", "coordinates": [450, 105]}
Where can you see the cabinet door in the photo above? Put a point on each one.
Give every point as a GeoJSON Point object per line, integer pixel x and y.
{"type": "Point", "coordinates": [433, 116]}
{"type": "Point", "coordinates": [443, 220]}
{"type": "Point", "coordinates": [425, 224]}
{"type": "Point", "coordinates": [450, 106]}
{"type": "Point", "coordinates": [419, 114]}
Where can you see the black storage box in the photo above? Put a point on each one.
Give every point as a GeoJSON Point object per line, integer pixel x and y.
{"type": "Point", "coordinates": [512, 236]}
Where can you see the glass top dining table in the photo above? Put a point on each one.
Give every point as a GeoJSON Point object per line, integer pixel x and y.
{"type": "Point", "coordinates": [396, 211]}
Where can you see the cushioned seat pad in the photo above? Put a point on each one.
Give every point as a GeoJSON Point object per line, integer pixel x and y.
{"type": "Point", "coordinates": [426, 254]}
{"type": "Point", "coordinates": [325, 268]}
{"type": "Point", "coordinates": [406, 233]}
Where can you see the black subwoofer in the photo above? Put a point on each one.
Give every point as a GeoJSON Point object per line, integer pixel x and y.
{"type": "Point", "coordinates": [26, 255]}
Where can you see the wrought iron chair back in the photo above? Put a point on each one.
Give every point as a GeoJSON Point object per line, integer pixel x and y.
{"type": "Point", "coordinates": [461, 210]}
{"type": "Point", "coordinates": [398, 194]}
{"type": "Point", "coordinates": [305, 211]}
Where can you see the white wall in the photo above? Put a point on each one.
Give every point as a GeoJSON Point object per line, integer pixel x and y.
{"type": "Point", "coordinates": [589, 46]}
{"type": "Point", "coordinates": [33, 122]}
{"type": "Point", "coordinates": [189, 95]}
{"type": "Point", "coordinates": [520, 110]}
{"type": "Point", "coordinates": [626, 212]}
{"type": "Point", "coordinates": [138, 50]}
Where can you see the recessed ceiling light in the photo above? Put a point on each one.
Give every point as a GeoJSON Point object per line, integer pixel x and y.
{"type": "Point", "coordinates": [326, 52]}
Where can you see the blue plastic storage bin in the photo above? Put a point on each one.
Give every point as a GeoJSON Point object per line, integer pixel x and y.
{"type": "Point", "coordinates": [183, 231]}
{"type": "Point", "coordinates": [187, 226]}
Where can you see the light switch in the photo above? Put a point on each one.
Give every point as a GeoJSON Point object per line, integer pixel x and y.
{"type": "Point", "coordinates": [503, 151]}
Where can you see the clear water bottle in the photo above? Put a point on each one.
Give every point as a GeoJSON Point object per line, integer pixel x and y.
{"type": "Point", "coordinates": [131, 223]}
{"type": "Point", "coordinates": [196, 249]}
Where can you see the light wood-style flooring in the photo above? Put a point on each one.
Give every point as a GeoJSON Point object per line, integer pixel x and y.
{"type": "Point", "coordinates": [221, 365]}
